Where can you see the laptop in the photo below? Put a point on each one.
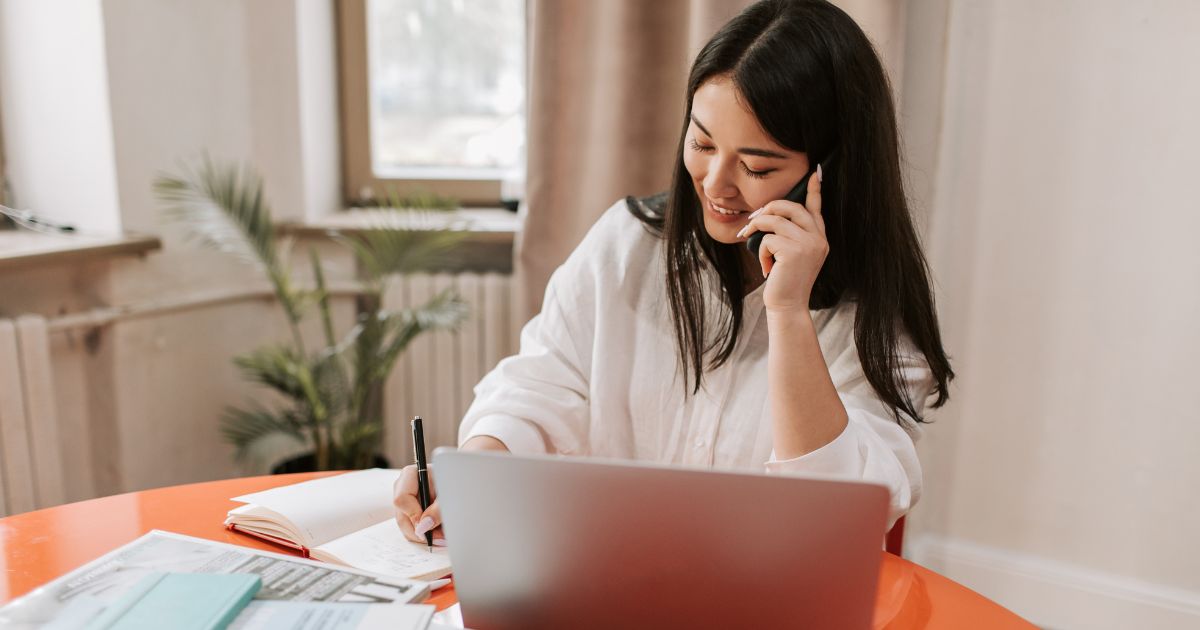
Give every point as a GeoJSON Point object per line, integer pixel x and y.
{"type": "Point", "coordinates": [553, 542]}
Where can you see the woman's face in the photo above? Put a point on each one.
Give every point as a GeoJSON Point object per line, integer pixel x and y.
{"type": "Point", "coordinates": [735, 166]}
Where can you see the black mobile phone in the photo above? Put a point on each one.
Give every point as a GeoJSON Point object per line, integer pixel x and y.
{"type": "Point", "coordinates": [797, 195]}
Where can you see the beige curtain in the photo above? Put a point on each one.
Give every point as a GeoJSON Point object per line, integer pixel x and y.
{"type": "Point", "coordinates": [3, 178]}
{"type": "Point", "coordinates": [606, 100]}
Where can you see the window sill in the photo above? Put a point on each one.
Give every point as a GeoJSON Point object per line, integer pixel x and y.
{"type": "Point", "coordinates": [488, 245]}
{"type": "Point", "coordinates": [21, 248]}
{"type": "Point", "coordinates": [490, 225]}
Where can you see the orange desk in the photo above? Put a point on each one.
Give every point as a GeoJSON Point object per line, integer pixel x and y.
{"type": "Point", "coordinates": [36, 547]}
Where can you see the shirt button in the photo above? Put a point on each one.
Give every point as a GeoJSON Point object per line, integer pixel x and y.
{"type": "Point", "coordinates": [699, 442]}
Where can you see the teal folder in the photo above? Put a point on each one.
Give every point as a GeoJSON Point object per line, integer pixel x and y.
{"type": "Point", "coordinates": [187, 601]}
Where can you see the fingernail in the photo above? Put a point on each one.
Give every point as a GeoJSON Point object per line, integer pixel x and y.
{"type": "Point", "coordinates": [742, 231]}
{"type": "Point", "coordinates": [423, 526]}
{"type": "Point", "coordinates": [439, 542]}
{"type": "Point", "coordinates": [755, 213]}
{"type": "Point", "coordinates": [819, 175]}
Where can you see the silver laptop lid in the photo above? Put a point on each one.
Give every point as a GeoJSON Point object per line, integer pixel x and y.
{"type": "Point", "coordinates": [551, 542]}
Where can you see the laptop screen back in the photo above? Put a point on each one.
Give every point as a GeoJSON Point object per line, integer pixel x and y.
{"type": "Point", "coordinates": [550, 542]}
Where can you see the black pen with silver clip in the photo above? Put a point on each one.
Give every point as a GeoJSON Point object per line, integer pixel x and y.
{"type": "Point", "coordinates": [423, 494]}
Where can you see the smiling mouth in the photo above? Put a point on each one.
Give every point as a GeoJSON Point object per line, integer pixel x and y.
{"type": "Point", "coordinates": [725, 211]}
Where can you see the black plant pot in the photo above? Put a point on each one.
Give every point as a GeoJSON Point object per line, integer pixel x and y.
{"type": "Point", "coordinates": [308, 463]}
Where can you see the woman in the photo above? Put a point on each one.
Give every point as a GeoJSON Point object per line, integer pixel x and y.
{"type": "Point", "coordinates": [662, 338]}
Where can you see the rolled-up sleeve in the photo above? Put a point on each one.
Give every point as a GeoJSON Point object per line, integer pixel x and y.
{"type": "Point", "coordinates": [520, 436]}
{"type": "Point", "coordinates": [537, 400]}
{"type": "Point", "coordinates": [873, 446]}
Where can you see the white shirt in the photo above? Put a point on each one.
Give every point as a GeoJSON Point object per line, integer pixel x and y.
{"type": "Point", "coordinates": [597, 375]}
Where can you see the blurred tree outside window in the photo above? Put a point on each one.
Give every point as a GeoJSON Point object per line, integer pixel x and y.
{"type": "Point", "coordinates": [445, 95]}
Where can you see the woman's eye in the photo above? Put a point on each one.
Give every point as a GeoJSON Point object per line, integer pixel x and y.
{"type": "Point", "coordinates": [756, 174]}
{"type": "Point", "coordinates": [696, 146]}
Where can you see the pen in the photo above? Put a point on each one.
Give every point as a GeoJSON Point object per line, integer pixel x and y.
{"type": "Point", "coordinates": [422, 472]}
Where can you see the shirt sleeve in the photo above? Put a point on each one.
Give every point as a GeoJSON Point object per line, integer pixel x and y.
{"type": "Point", "coordinates": [536, 401]}
{"type": "Point", "coordinates": [873, 446]}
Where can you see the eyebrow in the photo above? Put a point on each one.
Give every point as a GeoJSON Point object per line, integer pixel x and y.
{"type": "Point", "coordinates": [744, 150]}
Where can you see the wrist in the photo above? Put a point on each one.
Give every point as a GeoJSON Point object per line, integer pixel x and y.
{"type": "Point", "coordinates": [789, 317]}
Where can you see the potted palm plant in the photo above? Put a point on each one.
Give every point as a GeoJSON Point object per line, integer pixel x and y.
{"type": "Point", "coordinates": [330, 389]}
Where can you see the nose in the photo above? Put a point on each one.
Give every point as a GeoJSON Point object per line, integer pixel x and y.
{"type": "Point", "coordinates": [718, 181]}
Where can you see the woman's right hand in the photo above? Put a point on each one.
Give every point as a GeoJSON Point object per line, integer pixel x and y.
{"type": "Point", "coordinates": [414, 521]}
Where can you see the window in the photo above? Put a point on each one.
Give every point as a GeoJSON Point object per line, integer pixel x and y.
{"type": "Point", "coordinates": [433, 97]}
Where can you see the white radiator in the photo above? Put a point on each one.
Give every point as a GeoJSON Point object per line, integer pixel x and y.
{"type": "Point", "coordinates": [31, 474]}
{"type": "Point", "coordinates": [435, 377]}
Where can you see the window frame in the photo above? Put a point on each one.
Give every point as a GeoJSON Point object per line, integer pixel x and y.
{"type": "Point", "coordinates": [360, 185]}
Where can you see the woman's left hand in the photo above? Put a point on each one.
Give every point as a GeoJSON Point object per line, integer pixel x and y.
{"type": "Point", "coordinates": [792, 254]}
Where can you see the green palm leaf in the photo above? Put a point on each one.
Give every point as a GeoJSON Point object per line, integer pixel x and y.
{"type": "Point", "coordinates": [223, 207]}
{"type": "Point", "coordinates": [391, 333]}
{"type": "Point", "coordinates": [277, 367]}
{"type": "Point", "coordinates": [247, 428]}
{"type": "Point", "coordinates": [383, 251]}
{"type": "Point", "coordinates": [358, 442]}
{"type": "Point", "coordinates": [332, 395]}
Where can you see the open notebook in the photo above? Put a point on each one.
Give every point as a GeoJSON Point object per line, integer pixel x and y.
{"type": "Point", "coordinates": [345, 519]}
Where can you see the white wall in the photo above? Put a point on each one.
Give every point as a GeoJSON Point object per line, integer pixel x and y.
{"type": "Point", "coordinates": [253, 81]}
{"type": "Point", "coordinates": [292, 62]}
{"type": "Point", "coordinates": [99, 96]}
{"type": "Point", "coordinates": [321, 154]}
{"type": "Point", "coordinates": [180, 84]}
{"type": "Point", "coordinates": [54, 99]}
{"type": "Point", "coordinates": [140, 397]}
{"type": "Point", "coordinates": [1061, 480]}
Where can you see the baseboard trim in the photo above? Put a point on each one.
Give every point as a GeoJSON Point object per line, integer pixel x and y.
{"type": "Point", "coordinates": [1054, 594]}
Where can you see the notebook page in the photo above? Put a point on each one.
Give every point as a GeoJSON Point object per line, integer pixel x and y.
{"type": "Point", "coordinates": [381, 548]}
{"type": "Point", "coordinates": [260, 519]}
{"type": "Point", "coordinates": [331, 507]}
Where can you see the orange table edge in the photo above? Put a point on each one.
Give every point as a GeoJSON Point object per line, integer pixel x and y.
{"type": "Point", "coordinates": [36, 547]}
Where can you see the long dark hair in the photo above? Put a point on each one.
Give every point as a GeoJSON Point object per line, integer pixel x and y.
{"type": "Point", "coordinates": [815, 83]}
